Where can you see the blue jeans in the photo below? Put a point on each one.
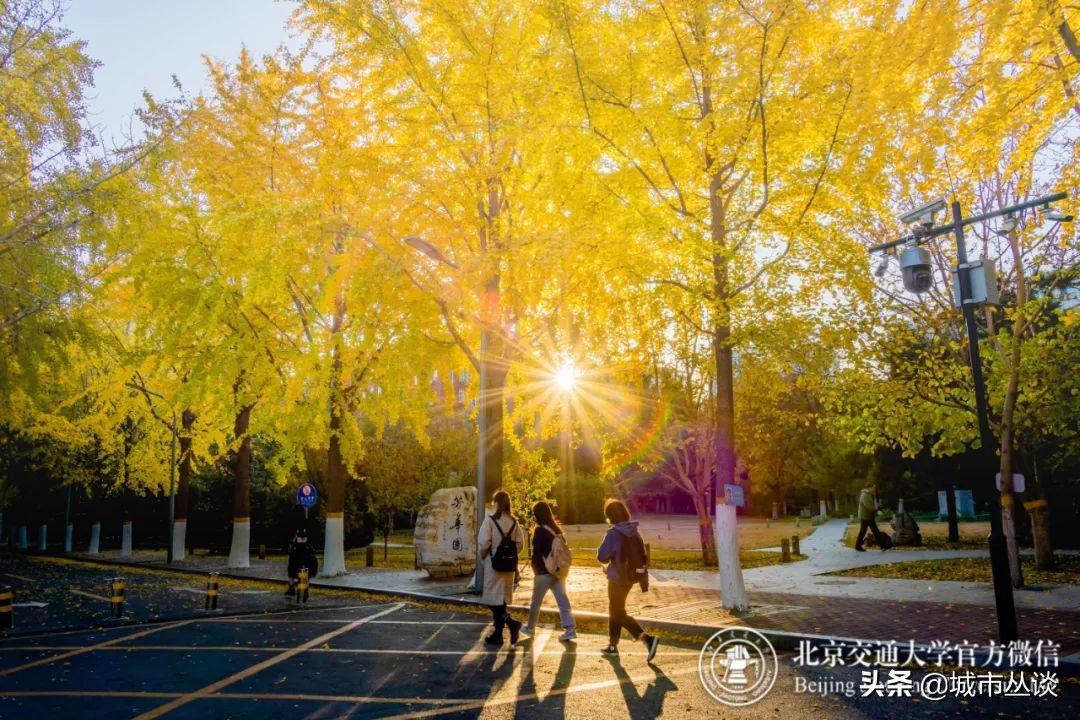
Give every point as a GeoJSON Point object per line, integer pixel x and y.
{"type": "Point", "coordinates": [541, 585]}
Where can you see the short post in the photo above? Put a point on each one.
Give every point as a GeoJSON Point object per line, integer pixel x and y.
{"type": "Point", "coordinates": [369, 557]}
{"type": "Point", "coordinates": [212, 591]}
{"type": "Point", "coordinates": [795, 545]}
{"type": "Point", "coordinates": [69, 533]}
{"type": "Point", "coordinates": [302, 586]}
{"type": "Point", "coordinates": [116, 600]}
{"type": "Point", "coordinates": [7, 616]}
{"type": "Point", "coordinates": [262, 551]}
{"type": "Point", "coordinates": [785, 550]}
{"type": "Point", "coordinates": [43, 535]}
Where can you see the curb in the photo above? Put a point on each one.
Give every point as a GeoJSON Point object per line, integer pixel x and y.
{"type": "Point", "coordinates": [781, 640]}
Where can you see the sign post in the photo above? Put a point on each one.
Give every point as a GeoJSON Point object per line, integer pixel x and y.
{"type": "Point", "coordinates": [307, 496]}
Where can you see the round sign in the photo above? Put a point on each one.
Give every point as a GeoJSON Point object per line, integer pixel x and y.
{"type": "Point", "coordinates": [306, 495]}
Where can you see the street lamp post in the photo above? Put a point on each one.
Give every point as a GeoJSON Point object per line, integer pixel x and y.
{"type": "Point", "coordinates": [999, 561]}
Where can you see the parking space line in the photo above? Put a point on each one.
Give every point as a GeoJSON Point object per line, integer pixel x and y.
{"type": "Point", "coordinates": [92, 648]}
{"type": "Point", "coordinates": [491, 702]}
{"type": "Point", "coordinates": [345, 651]}
{"type": "Point", "coordinates": [92, 693]}
{"type": "Point", "coordinates": [89, 594]}
{"type": "Point", "coordinates": [259, 667]}
{"type": "Point", "coordinates": [18, 577]}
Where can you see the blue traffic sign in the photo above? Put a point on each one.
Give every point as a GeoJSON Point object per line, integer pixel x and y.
{"type": "Point", "coordinates": [306, 495]}
{"type": "Point", "coordinates": [733, 495]}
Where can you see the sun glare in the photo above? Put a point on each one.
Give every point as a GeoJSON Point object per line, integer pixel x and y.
{"type": "Point", "coordinates": [566, 377]}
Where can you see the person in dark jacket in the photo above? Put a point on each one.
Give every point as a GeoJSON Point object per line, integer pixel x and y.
{"type": "Point", "coordinates": [622, 530]}
{"type": "Point", "coordinates": [543, 581]}
{"type": "Point", "coordinates": [301, 554]}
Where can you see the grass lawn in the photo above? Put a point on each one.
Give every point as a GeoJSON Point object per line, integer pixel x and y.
{"type": "Point", "coordinates": [1066, 571]}
{"type": "Point", "coordinates": [935, 535]}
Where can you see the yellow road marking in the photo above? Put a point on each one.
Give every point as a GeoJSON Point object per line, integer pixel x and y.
{"type": "Point", "coordinates": [259, 667]}
{"type": "Point", "coordinates": [89, 594]}
{"type": "Point", "coordinates": [492, 702]}
{"type": "Point", "coordinates": [236, 696]}
{"type": "Point", "coordinates": [346, 651]}
{"type": "Point", "coordinates": [92, 648]}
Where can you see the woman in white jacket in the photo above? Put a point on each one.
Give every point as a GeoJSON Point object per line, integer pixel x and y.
{"type": "Point", "coordinates": [499, 584]}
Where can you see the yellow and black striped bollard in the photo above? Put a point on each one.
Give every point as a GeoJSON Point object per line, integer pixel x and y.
{"type": "Point", "coordinates": [212, 591]}
{"type": "Point", "coordinates": [116, 600]}
{"type": "Point", "coordinates": [7, 616]}
{"type": "Point", "coordinates": [302, 586]}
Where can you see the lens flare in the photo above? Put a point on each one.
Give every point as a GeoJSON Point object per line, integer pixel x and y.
{"type": "Point", "coordinates": [566, 377]}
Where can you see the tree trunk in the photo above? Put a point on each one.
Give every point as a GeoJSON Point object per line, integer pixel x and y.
{"type": "Point", "coordinates": [183, 484]}
{"type": "Point", "coordinates": [1040, 520]}
{"type": "Point", "coordinates": [706, 532]}
{"type": "Point", "coordinates": [334, 539]}
{"type": "Point", "coordinates": [239, 555]}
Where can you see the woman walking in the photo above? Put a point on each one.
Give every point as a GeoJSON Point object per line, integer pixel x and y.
{"type": "Point", "coordinates": [624, 552]}
{"type": "Point", "coordinates": [500, 540]}
{"type": "Point", "coordinates": [547, 530]}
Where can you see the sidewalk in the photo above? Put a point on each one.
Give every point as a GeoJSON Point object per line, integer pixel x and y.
{"type": "Point", "coordinates": [808, 605]}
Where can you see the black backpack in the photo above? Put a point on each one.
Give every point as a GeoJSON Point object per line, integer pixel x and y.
{"type": "Point", "coordinates": [633, 563]}
{"type": "Point", "coordinates": [505, 557]}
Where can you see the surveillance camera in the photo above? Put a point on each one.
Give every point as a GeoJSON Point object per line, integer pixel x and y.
{"type": "Point", "coordinates": [883, 267]}
{"type": "Point", "coordinates": [1056, 215]}
{"type": "Point", "coordinates": [915, 267]}
{"type": "Point", "coordinates": [1007, 226]}
{"type": "Point", "coordinates": [924, 214]}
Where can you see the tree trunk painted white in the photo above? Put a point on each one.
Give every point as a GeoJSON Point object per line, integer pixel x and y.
{"type": "Point", "coordinates": [179, 538]}
{"type": "Point", "coordinates": [69, 533]}
{"type": "Point", "coordinates": [334, 547]}
{"type": "Point", "coordinates": [900, 507]}
{"type": "Point", "coordinates": [125, 540]}
{"type": "Point", "coordinates": [95, 539]}
{"type": "Point", "coordinates": [43, 537]}
{"type": "Point", "coordinates": [824, 507]}
{"type": "Point", "coordinates": [239, 553]}
{"type": "Point", "coordinates": [732, 590]}
{"type": "Point", "coordinates": [23, 544]}
{"type": "Point", "coordinates": [775, 511]}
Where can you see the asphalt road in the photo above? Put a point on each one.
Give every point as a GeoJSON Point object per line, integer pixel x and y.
{"type": "Point", "coordinates": [394, 660]}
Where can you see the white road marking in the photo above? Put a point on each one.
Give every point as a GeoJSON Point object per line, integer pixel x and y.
{"type": "Point", "coordinates": [30, 603]}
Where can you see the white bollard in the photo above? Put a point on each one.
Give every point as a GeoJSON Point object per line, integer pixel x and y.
{"type": "Point", "coordinates": [95, 539]}
{"type": "Point", "coordinates": [43, 535]}
{"type": "Point", "coordinates": [125, 540]}
{"type": "Point", "coordinates": [23, 544]}
{"type": "Point", "coordinates": [68, 533]}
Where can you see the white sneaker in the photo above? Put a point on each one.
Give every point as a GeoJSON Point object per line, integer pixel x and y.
{"type": "Point", "coordinates": [568, 634]}
{"type": "Point", "coordinates": [526, 631]}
